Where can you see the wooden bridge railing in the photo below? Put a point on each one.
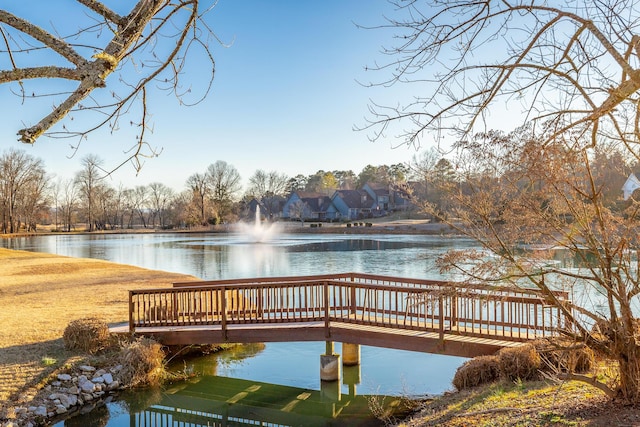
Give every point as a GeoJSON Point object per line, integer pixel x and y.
{"type": "Point", "coordinates": [512, 314]}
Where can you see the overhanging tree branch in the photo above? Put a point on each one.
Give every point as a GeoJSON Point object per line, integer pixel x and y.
{"type": "Point", "coordinates": [135, 43]}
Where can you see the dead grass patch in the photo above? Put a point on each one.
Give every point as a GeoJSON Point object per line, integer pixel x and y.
{"type": "Point", "coordinates": [519, 363]}
{"type": "Point", "coordinates": [88, 335]}
{"type": "Point", "coordinates": [513, 364]}
{"type": "Point", "coordinates": [143, 363]}
{"type": "Point", "coordinates": [564, 356]}
{"type": "Point", "coordinates": [476, 371]}
{"type": "Point", "coordinates": [51, 291]}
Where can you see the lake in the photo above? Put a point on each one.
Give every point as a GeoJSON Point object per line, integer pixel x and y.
{"type": "Point", "coordinates": [284, 367]}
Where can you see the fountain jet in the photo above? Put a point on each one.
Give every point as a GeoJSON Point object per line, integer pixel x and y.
{"type": "Point", "coordinates": [258, 232]}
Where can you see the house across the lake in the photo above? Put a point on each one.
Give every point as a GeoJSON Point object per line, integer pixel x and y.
{"type": "Point", "coordinates": [371, 201]}
{"type": "Point", "coordinates": [631, 184]}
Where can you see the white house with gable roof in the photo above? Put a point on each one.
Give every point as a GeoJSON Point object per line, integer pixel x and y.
{"type": "Point", "coordinates": [631, 184]}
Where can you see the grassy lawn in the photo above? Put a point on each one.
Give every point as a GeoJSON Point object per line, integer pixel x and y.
{"type": "Point", "coordinates": [39, 295]}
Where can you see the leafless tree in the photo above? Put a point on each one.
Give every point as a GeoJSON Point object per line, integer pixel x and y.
{"type": "Point", "coordinates": [571, 72]}
{"type": "Point", "coordinates": [68, 203]}
{"type": "Point", "coordinates": [268, 188]}
{"type": "Point", "coordinates": [104, 207]}
{"type": "Point", "coordinates": [197, 183]}
{"type": "Point", "coordinates": [34, 201]}
{"type": "Point", "coordinates": [103, 44]}
{"type": "Point", "coordinates": [56, 190]}
{"type": "Point", "coordinates": [181, 210]}
{"type": "Point", "coordinates": [224, 184]}
{"type": "Point", "coordinates": [263, 184]}
{"type": "Point", "coordinates": [88, 180]}
{"type": "Point", "coordinates": [19, 174]}
{"type": "Point", "coordinates": [160, 197]}
{"type": "Point", "coordinates": [540, 209]}
{"type": "Point", "coordinates": [298, 210]}
{"type": "Point", "coordinates": [118, 208]}
{"type": "Point", "coordinates": [140, 200]}
{"type": "Point", "coordinates": [574, 65]}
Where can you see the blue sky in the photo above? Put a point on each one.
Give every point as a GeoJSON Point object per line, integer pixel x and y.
{"type": "Point", "coordinates": [285, 97]}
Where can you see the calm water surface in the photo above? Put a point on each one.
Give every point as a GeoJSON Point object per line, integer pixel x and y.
{"type": "Point", "coordinates": [282, 368]}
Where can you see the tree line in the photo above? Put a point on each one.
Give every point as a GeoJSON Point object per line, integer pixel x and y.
{"type": "Point", "coordinates": [88, 201]}
{"type": "Point", "coordinates": [29, 196]}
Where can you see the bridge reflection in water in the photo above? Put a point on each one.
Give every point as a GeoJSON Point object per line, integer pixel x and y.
{"type": "Point", "coordinates": [220, 401]}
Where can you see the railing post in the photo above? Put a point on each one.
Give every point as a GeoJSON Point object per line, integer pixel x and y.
{"type": "Point", "coordinates": [327, 324]}
{"type": "Point", "coordinates": [174, 307]}
{"type": "Point", "coordinates": [441, 317]}
{"type": "Point", "coordinates": [223, 303]}
{"type": "Point", "coordinates": [353, 298]}
{"type": "Point", "coordinates": [131, 307]}
{"type": "Point", "coordinates": [539, 306]}
{"type": "Point", "coordinates": [454, 310]}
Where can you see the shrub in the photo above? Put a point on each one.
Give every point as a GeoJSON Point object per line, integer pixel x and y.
{"type": "Point", "coordinates": [564, 356]}
{"type": "Point", "coordinates": [521, 362]}
{"type": "Point", "coordinates": [143, 363]}
{"type": "Point", "coordinates": [479, 370]}
{"type": "Point", "coordinates": [89, 335]}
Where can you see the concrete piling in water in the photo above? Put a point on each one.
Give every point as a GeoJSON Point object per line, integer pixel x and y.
{"type": "Point", "coordinates": [329, 364]}
{"type": "Point", "coordinates": [350, 354]}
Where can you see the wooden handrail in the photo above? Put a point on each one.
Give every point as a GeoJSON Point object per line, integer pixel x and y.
{"type": "Point", "coordinates": [511, 313]}
{"type": "Point", "coordinates": [354, 277]}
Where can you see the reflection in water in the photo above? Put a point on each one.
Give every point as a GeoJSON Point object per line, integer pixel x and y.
{"type": "Point", "coordinates": [219, 401]}
{"type": "Point", "coordinates": [208, 364]}
{"type": "Point", "coordinates": [224, 256]}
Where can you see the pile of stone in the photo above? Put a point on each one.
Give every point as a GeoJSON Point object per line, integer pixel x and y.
{"type": "Point", "coordinates": [70, 393]}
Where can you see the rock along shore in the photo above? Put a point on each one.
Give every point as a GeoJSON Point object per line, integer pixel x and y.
{"type": "Point", "coordinates": [76, 392]}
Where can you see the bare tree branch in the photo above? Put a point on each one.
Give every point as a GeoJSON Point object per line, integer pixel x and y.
{"type": "Point", "coordinates": [59, 46]}
{"type": "Point", "coordinates": [568, 62]}
{"type": "Point", "coordinates": [132, 44]}
{"type": "Point", "coordinates": [101, 9]}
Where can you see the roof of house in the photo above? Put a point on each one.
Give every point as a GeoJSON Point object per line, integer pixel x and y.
{"type": "Point", "coordinates": [308, 194]}
{"type": "Point", "coordinates": [317, 202]}
{"type": "Point", "coordinates": [379, 189]}
{"type": "Point", "coordinates": [354, 199]}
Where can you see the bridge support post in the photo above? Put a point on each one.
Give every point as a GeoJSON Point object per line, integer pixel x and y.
{"type": "Point", "coordinates": [350, 354]}
{"type": "Point", "coordinates": [329, 364]}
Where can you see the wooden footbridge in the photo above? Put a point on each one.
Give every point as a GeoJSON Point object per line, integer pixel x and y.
{"type": "Point", "coordinates": [407, 314]}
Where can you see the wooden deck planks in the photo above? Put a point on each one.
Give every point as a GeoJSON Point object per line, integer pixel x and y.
{"type": "Point", "coordinates": [412, 340]}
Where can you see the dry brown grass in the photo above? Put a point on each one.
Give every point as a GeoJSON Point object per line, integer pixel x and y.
{"type": "Point", "coordinates": [519, 363]}
{"type": "Point", "coordinates": [143, 363]}
{"type": "Point", "coordinates": [40, 294]}
{"type": "Point", "coordinates": [89, 335]}
{"type": "Point", "coordinates": [476, 371]}
{"type": "Point", "coordinates": [559, 355]}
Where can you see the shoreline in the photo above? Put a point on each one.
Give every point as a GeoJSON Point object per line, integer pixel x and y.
{"type": "Point", "coordinates": [377, 226]}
